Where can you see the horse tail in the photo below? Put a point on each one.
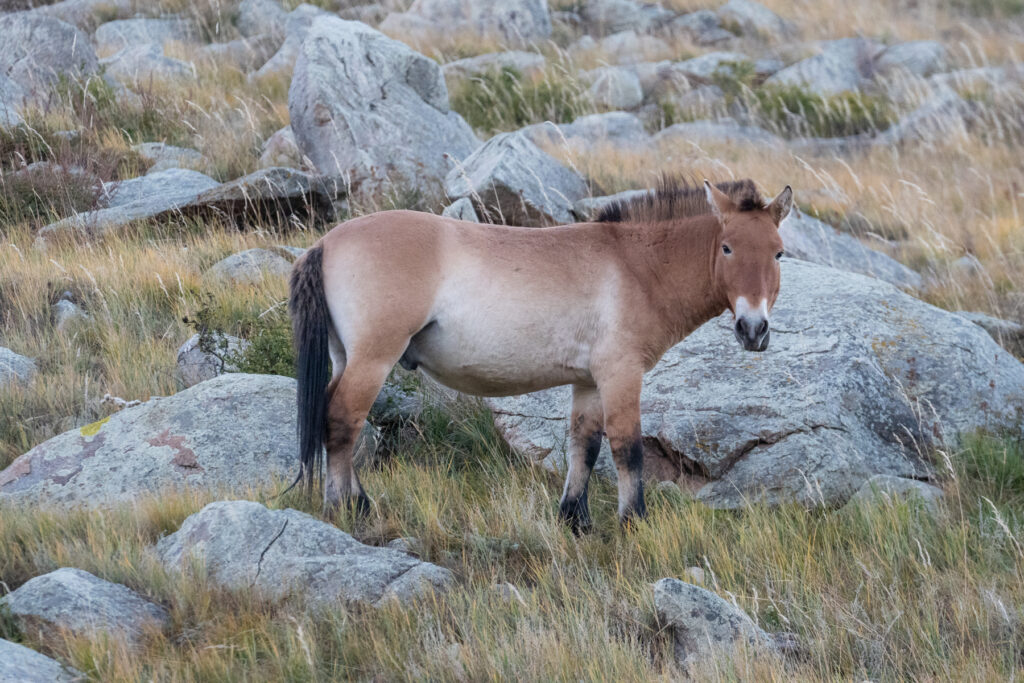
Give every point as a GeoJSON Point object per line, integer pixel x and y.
{"type": "Point", "coordinates": [310, 320]}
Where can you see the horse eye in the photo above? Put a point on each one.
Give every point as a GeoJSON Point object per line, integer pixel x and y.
{"type": "Point", "coordinates": [726, 249]}
{"type": "Point", "coordinates": [778, 256]}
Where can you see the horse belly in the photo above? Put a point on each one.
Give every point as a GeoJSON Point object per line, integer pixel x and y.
{"type": "Point", "coordinates": [478, 355]}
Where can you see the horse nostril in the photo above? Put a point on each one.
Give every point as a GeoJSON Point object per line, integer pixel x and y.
{"type": "Point", "coordinates": [741, 327]}
{"type": "Point", "coordinates": [761, 329]}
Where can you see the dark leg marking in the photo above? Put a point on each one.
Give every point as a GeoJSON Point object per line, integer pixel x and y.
{"type": "Point", "coordinates": [574, 509]}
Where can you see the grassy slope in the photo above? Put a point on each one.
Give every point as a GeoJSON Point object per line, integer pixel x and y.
{"type": "Point", "coordinates": [888, 594]}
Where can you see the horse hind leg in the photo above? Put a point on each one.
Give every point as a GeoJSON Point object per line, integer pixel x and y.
{"type": "Point", "coordinates": [584, 446]}
{"type": "Point", "coordinates": [351, 396]}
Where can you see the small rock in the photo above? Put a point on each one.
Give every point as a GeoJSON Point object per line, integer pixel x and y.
{"type": "Point", "coordinates": [704, 625]}
{"type": "Point", "coordinates": [461, 209]}
{"type": "Point", "coordinates": [285, 553]}
{"type": "Point", "coordinates": [142, 64]}
{"type": "Point", "coordinates": [694, 574]}
{"type": "Point", "coordinates": [616, 88]}
{"type": "Point", "coordinates": [703, 27]}
{"type": "Point", "coordinates": [916, 58]}
{"type": "Point", "coordinates": [196, 365]}
{"type": "Point", "coordinates": [66, 314]}
{"type": "Point", "coordinates": [1008, 333]}
{"type": "Point", "coordinates": [525, 63]}
{"type": "Point", "coordinates": [721, 132]}
{"type": "Point", "coordinates": [889, 489]}
{"type": "Point", "coordinates": [75, 601]}
{"type": "Point", "coordinates": [15, 368]}
{"type": "Point", "coordinates": [18, 664]}
{"type": "Point", "coordinates": [843, 65]}
{"type": "Point", "coordinates": [611, 16]}
{"type": "Point", "coordinates": [39, 49]}
{"type": "Point", "coordinates": [513, 181]}
{"type": "Point", "coordinates": [260, 16]}
{"type": "Point", "coordinates": [163, 157]}
{"type": "Point", "coordinates": [280, 149]}
{"type": "Point", "coordinates": [248, 267]}
{"type": "Point", "coordinates": [618, 128]}
{"type": "Point", "coordinates": [515, 22]}
{"type": "Point", "coordinates": [754, 18]}
{"type": "Point", "coordinates": [628, 47]}
{"type": "Point", "coordinates": [121, 33]}
{"type": "Point", "coordinates": [707, 65]}
{"type": "Point", "coordinates": [245, 54]}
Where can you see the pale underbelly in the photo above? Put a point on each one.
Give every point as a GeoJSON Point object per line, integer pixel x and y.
{"type": "Point", "coordinates": [495, 364]}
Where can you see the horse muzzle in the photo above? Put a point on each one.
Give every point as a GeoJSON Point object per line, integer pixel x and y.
{"type": "Point", "coordinates": [753, 334]}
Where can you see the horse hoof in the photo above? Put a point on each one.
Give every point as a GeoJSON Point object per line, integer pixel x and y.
{"type": "Point", "coordinates": [576, 515]}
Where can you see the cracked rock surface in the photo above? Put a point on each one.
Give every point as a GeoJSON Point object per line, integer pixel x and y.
{"type": "Point", "coordinates": [240, 544]}
{"type": "Point", "coordinates": [857, 377]}
{"type": "Point", "coordinates": [18, 664]}
{"type": "Point", "coordinates": [229, 431]}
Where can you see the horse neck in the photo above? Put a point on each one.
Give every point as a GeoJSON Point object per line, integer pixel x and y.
{"type": "Point", "coordinates": [676, 258]}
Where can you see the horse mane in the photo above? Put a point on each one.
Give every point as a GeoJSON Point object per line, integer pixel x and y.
{"type": "Point", "coordinates": [675, 198]}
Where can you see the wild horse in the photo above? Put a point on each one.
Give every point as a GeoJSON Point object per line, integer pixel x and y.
{"type": "Point", "coordinates": [495, 310]}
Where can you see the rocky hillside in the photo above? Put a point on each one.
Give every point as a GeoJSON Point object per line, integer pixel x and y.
{"type": "Point", "coordinates": [848, 504]}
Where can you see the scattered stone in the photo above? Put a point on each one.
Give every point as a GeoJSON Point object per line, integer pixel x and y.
{"type": "Point", "coordinates": [628, 47]}
{"type": "Point", "coordinates": [66, 314]}
{"type": "Point", "coordinates": [269, 193]}
{"type": "Point", "coordinates": [514, 22]}
{"type": "Point", "coordinates": [15, 367]}
{"type": "Point", "coordinates": [143, 64]}
{"type": "Point", "coordinates": [939, 118]}
{"type": "Point", "coordinates": [512, 181]}
{"type": "Point", "coordinates": [373, 127]}
{"type": "Point", "coordinates": [121, 33]}
{"type": "Point", "coordinates": [368, 14]}
{"type": "Point", "coordinates": [810, 239]}
{"type": "Point", "coordinates": [613, 16]}
{"type": "Point", "coordinates": [37, 51]}
{"type": "Point", "coordinates": [296, 28]}
{"type": "Point", "coordinates": [230, 432]}
{"type": "Point", "coordinates": [162, 157]}
{"type": "Point", "coordinates": [843, 65]}
{"type": "Point", "coordinates": [885, 488]}
{"type": "Point", "coordinates": [707, 65]}
{"type": "Point", "coordinates": [618, 128]}
{"type": "Point", "coordinates": [862, 377]}
{"type": "Point", "coordinates": [261, 16]}
{"type": "Point", "coordinates": [616, 88]}
{"type": "Point", "coordinates": [703, 27]}
{"type": "Point", "coordinates": [285, 553]}
{"type": "Point", "coordinates": [703, 102]}
{"type": "Point", "coordinates": [704, 625]}
{"type": "Point", "coordinates": [754, 18]}
{"type": "Point", "coordinates": [245, 54]}
{"type": "Point", "coordinates": [85, 14]}
{"type": "Point", "coordinates": [249, 267]}
{"type": "Point", "coordinates": [721, 132]}
{"type": "Point", "coordinates": [197, 365]}
{"type": "Point", "coordinates": [281, 149]}
{"type": "Point", "coordinates": [18, 664]}
{"type": "Point", "coordinates": [76, 602]}
{"type": "Point", "coordinates": [461, 209]}
{"type": "Point", "coordinates": [694, 574]}
{"type": "Point", "coordinates": [916, 58]}
{"type": "Point", "coordinates": [525, 63]}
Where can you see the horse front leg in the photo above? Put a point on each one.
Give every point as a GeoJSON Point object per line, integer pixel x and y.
{"type": "Point", "coordinates": [584, 446]}
{"type": "Point", "coordinates": [620, 395]}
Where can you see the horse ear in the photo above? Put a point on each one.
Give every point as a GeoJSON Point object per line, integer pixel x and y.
{"type": "Point", "coordinates": [719, 201]}
{"type": "Point", "coordinates": [780, 206]}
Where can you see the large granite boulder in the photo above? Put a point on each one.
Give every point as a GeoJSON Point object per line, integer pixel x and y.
{"type": "Point", "coordinates": [810, 239]}
{"type": "Point", "coordinates": [512, 181]}
{"type": "Point", "coordinates": [843, 65]}
{"type": "Point", "coordinates": [76, 602]}
{"type": "Point", "coordinates": [288, 554]}
{"type": "Point", "coordinates": [233, 431]}
{"type": "Point", "coordinates": [860, 379]}
{"type": "Point", "coordinates": [373, 112]}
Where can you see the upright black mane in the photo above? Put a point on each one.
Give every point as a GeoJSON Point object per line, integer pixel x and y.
{"type": "Point", "coordinates": [678, 198]}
